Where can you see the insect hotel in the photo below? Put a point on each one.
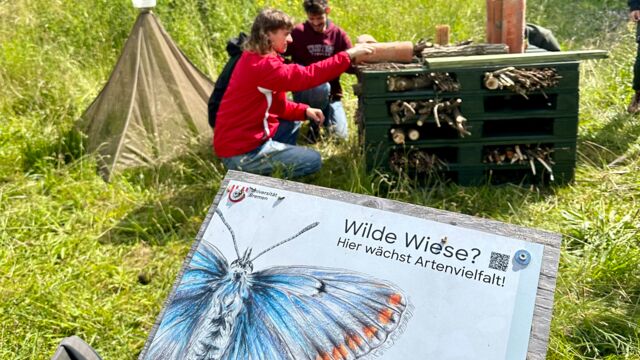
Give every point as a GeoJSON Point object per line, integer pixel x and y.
{"type": "Point", "coordinates": [472, 113]}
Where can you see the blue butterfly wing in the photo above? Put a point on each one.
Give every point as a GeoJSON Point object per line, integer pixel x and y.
{"type": "Point", "coordinates": [191, 299]}
{"type": "Point", "coordinates": [316, 313]}
{"type": "Point", "coordinates": [253, 338]}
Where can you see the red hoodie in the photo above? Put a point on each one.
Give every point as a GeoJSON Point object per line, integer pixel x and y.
{"type": "Point", "coordinates": [256, 98]}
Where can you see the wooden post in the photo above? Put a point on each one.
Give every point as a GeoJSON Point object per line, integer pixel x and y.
{"type": "Point", "coordinates": [506, 22]}
{"type": "Point", "coordinates": [442, 34]}
{"type": "Point", "coordinates": [513, 23]}
{"type": "Point", "coordinates": [494, 21]}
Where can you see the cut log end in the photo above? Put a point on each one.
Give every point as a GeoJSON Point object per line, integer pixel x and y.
{"type": "Point", "coordinates": [491, 83]}
{"type": "Point", "coordinates": [414, 135]}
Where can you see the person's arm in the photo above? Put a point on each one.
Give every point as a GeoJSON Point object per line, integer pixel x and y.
{"type": "Point", "coordinates": [292, 77]}
{"type": "Point", "coordinates": [287, 110]}
{"type": "Point", "coordinates": [344, 43]}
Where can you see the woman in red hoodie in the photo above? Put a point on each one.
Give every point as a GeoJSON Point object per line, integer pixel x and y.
{"type": "Point", "coordinates": [246, 135]}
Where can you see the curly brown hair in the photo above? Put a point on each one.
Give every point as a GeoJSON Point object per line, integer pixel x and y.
{"type": "Point", "coordinates": [315, 7]}
{"type": "Point", "coordinates": [268, 20]}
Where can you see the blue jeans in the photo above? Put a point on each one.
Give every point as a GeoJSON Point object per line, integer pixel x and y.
{"type": "Point", "coordinates": [335, 119]}
{"type": "Point", "coordinates": [278, 153]}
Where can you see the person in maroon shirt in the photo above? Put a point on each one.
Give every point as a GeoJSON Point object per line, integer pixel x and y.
{"type": "Point", "coordinates": [249, 135]}
{"type": "Point", "coordinates": [317, 39]}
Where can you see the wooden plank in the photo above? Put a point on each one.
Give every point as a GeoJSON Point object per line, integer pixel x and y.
{"type": "Point", "coordinates": [541, 324]}
{"type": "Point", "coordinates": [456, 62]}
{"type": "Point", "coordinates": [464, 50]}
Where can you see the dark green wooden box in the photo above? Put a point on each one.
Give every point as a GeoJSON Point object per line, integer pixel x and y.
{"type": "Point", "coordinates": [494, 117]}
{"type": "Point", "coordinates": [374, 83]}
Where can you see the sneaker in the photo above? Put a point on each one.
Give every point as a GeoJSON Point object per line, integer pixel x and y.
{"type": "Point", "coordinates": [634, 106]}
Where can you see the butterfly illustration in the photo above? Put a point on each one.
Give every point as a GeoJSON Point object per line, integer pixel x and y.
{"type": "Point", "coordinates": [229, 312]}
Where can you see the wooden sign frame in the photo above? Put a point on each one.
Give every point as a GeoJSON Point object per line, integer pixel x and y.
{"type": "Point", "coordinates": [539, 334]}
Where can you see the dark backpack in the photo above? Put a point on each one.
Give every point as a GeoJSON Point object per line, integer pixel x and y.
{"type": "Point", "coordinates": [234, 49]}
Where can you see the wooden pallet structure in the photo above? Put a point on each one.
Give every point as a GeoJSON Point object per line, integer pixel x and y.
{"type": "Point", "coordinates": [466, 119]}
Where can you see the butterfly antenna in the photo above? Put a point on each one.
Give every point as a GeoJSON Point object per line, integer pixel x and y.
{"type": "Point", "coordinates": [307, 228]}
{"type": "Point", "coordinates": [233, 236]}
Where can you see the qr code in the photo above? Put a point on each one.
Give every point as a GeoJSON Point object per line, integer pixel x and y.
{"type": "Point", "coordinates": [499, 261]}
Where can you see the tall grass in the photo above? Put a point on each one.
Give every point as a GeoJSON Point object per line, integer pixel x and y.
{"type": "Point", "coordinates": [78, 256]}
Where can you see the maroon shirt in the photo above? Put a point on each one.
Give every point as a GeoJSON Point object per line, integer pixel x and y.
{"type": "Point", "coordinates": [310, 46]}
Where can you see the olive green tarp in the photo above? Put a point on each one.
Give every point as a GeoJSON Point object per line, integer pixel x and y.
{"type": "Point", "coordinates": [154, 105]}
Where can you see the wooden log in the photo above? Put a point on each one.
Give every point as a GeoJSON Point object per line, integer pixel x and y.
{"type": "Point", "coordinates": [399, 51]}
{"type": "Point", "coordinates": [422, 81]}
{"type": "Point", "coordinates": [490, 82]}
{"type": "Point", "coordinates": [442, 82]}
{"type": "Point", "coordinates": [395, 109]}
{"type": "Point", "coordinates": [413, 134]}
{"type": "Point", "coordinates": [397, 135]}
{"type": "Point", "coordinates": [442, 34]}
{"type": "Point", "coordinates": [464, 50]}
{"type": "Point", "coordinates": [399, 83]}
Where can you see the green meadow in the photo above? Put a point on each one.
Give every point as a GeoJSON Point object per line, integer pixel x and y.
{"type": "Point", "coordinates": [81, 256]}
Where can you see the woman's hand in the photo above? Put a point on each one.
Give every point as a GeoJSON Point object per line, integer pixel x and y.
{"type": "Point", "coordinates": [360, 49]}
{"type": "Point", "coordinates": [315, 114]}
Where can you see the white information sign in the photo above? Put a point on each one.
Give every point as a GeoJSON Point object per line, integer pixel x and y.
{"type": "Point", "coordinates": [285, 275]}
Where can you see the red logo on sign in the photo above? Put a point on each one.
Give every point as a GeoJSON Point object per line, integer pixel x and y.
{"type": "Point", "coordinates": [236, 193]}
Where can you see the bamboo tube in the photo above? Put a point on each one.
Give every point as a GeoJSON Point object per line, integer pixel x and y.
{"type": "Point", "coordinates": [399, 51]}
{"type": "Point", "coordinates": [413, 134]}
{"type": "Point", "coordinates": [397, 135]}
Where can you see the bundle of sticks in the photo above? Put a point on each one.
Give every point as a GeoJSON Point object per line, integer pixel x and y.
{"type": "Point", "coordinates": [420, 111]}
{"type": "Point", "coordinates": [522, 81]}
{"type": "Point", "coordinates": [521, 154]}
{"type": "Point", "coordinates": [419, 161]}
{"type": "Point", "coordinates": [443, 82]}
